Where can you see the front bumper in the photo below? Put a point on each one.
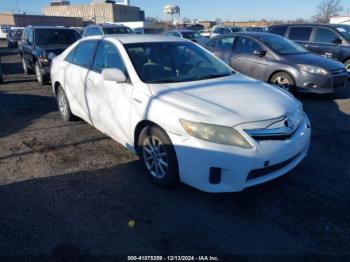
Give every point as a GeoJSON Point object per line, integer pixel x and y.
{"type": "Point", "coordinates": [240, 168]}
{"type": "Point", "coordinates": [309, 83]}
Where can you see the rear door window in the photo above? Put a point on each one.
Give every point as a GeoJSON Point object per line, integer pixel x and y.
{"type": "Point", "coordinates": [300, 33]}
{"type": "Point", "coordinates": [84, 53]}
{"type": "Point", "coordinates": [70, 56]}
{"type": "Point", "coordinates": [325, 36]}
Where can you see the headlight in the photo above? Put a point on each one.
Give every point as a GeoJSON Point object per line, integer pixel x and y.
{"type": "Point", "coordinates": [215, 134]}
{"type": "Point", "coordinates": [313, 70]}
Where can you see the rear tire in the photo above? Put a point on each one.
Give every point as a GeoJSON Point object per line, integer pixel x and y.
{"type": "Point", "coordinates": [26, 70]}
{"type": "Point", "coordinates": [42, 79]}
{"type": "Point", "coordinates": [63, 105]}
{"type": "Point", "coordinates": [158, 157]}
{"type": "Point", "coordinates": [284, 81]}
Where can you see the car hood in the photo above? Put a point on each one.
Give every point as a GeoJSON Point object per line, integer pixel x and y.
{"type": "Point", "coordinates": [226, 101]}
{"type": "Point", "coordinates": [314, 60]}
{"type": "Point", "coordinates": [56, 49]}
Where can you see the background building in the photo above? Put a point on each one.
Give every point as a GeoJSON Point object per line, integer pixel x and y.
{"type": "Point", "coordinates": [98, 12]}
{"type": "Point", "coordinates": [345, 19]}
{"type": "Point", "coordinates": [22, 20]}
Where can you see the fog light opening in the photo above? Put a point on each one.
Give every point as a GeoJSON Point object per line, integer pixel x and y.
{"type": "Point", "coordinates": [215, 175]}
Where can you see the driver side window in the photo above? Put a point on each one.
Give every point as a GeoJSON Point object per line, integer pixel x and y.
{"type": "Point", "coordinates": [107, 56]}
{"type": "Point", "coordinates": [247, 46]}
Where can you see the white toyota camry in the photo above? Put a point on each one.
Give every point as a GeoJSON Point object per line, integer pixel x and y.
{"type": "Point", "coordinates": [187, 115]}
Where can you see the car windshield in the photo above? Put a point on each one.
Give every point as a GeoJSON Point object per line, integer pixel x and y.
{"type": "Point", "coordinates": [117, 30]}
{"type": "Point", "coordinates": [171, 62]}
{"type": "Point", "coordinates": [344, 30]}
{"type": "Point", "coordinates": [53, 36]}
{"type": "Point", "coordinates": [190, 35]}
{"type": "Point", "coordinates": [281, 45]}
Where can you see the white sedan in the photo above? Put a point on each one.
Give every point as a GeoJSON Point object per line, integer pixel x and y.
{"type": "Point", "coordinates": [188, 116]}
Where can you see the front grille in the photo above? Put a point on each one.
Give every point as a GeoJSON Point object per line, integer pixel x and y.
{"type": "Point", "coordinates": [270, 169]}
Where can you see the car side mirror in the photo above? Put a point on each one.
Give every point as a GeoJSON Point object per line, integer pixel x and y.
{"type": "Point", "coordinates": [114, 74]}
{"type": "Point", "coordinates": [260, 53]}
{"type": "Point", "coordinates": [337, 41]}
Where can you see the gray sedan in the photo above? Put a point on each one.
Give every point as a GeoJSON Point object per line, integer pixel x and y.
{"type": "Point", "coordinates": [277, 60]}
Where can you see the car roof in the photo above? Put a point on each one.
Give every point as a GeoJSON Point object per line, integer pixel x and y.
{"type": "Point", "coordinates": [106, 25]}
{"type": "Point", "coordinates": [251, 34]}
{"type": "Point", "coordinates": [309, 24]}
{"type": "Point", "coordinates": [48, 27]}
{"type": "Point", "coordinates": [136, 38]}
{"type": "Point", "coordinates": [185, 30]}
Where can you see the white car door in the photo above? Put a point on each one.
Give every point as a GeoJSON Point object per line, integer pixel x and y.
{"type": "Point", "coordinates": [75, 77]}
{"type": "Point", "coordinates": [109, 102]}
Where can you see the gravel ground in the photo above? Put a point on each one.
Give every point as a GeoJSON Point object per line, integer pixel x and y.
{"type": "Point", "coordinates": [65, 188]}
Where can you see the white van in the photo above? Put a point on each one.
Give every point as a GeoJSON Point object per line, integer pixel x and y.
{"type": "Point", "coordinates": [3, 31]}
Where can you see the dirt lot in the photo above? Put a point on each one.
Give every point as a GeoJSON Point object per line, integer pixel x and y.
{"type": "Point", "coordinates": [66, 188]}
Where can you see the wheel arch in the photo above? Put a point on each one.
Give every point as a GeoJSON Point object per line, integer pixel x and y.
{"type": "Point", "coordinates": [280, 71]}
{"type": "Point", "coordinates": [138, 129]}
{"type": "Point", "coordinates": [55, 87]}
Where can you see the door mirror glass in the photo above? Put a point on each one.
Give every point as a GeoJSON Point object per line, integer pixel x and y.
{"type": "Point", "coordinates": [114, 74]}
{"type": "Point", "coordinates": [259, 52]}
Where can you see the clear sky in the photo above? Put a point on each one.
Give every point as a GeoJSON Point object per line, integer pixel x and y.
{"type": "Point", "coordinates": [238, 10]}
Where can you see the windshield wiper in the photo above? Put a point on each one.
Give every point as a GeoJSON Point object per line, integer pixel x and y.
{"type": "Point", "coordinates": [212, 76]}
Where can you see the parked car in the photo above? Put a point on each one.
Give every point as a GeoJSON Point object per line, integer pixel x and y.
{"type": "Point", "coordinates": [182, 110]}
{"type": "Point", "coordinates": [106, 29]}
{"type": "Point", "coordinates": [194, 27]}
{"type": "Point", "coordinates": [205, 33]}
{"type": "Point", "coordinates": [187, 34]}
{"type": "Point", "coordinates": [279, 61]}
{"type": "Point", "coordinates": [80, 30]}
{"type": "Point", "coordinates": [40, 44]}
{"type": "Point", "coordinates": [13, 36]}
{"type": "Point", "coordinates": [256, 29]}
{"type": "Point", "coordinates": [1, 78]}
{"type": "Point", "coordinates": [224, 30]}
{"type": "Point", "coordinates": [329, 40]}
{"type": "Point", "coordinates": [3, 31]}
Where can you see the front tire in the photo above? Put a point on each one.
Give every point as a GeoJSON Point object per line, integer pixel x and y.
{"type": "Point", "coordinates": [158, 157]}
{"type": "Point", "coordinates": [42, 80]}
{"type": "Point", "coordinates": [347, 66]}
{"type": "Point", "coordinates": [284, 81]}
{"type": "Point", "coordinates": [63, 105]}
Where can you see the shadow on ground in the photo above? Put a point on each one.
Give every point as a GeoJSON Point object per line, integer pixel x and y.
{"type": "Point", "coordinates": [17, 111]}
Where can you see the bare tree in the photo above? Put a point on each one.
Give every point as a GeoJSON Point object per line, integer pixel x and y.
{"type": "Point", "coordinates": [326, 9]}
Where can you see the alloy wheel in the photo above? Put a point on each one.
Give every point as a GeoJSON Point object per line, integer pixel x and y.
{"type": "Point", "coordinates": [38, 73]}
{"type": "Point", "coordinates": [63, 104]}
{"type": "Point", "coordinates": [348, 68]}
{"type": "Point", "coordinates": [155, 157]}
{"type": "Point", "coordinates": [282, 82]}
